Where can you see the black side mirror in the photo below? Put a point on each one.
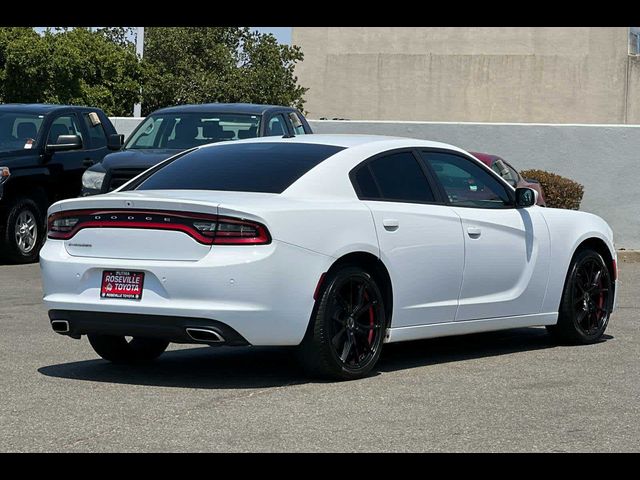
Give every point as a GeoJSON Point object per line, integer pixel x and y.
{"type": "Point", "coordinates": [115, 141]}
{"type": "Point", "coordinates": [526, 197]}
{"type": "Point", "coordinates": [65, 142]}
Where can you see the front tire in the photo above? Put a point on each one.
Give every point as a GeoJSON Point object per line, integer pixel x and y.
{"type": "Point", "coordinates": [587, 300]}
{"type": "Point", "coordinates": [23, 231]}
{"type": "Point", "coordinates": [117, 349]}
{"type": "Point", "coordinates": [348, 327]}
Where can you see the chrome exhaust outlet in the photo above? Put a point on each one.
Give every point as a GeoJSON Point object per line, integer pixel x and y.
{"type": "Point", "coordinates": [60, 326]}
{"type": "Point", "coordinates": [204, 335]}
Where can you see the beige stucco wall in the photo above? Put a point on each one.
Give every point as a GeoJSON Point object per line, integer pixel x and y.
{"type": "Point", "coordinates": [480, 74]}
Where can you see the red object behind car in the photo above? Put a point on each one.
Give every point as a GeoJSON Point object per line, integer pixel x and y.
{"type": "Point", "coordinates": [510, 174]}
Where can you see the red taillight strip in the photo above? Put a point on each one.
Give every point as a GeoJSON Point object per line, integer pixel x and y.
{"type": "Point", "coordinates": [179, 223]}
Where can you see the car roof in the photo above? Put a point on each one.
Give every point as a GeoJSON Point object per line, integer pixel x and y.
{"type": "Point", "coordinates": [246, 108]}
{"type": "Point", "coordinates": [347, 141]}
{"type": "Point", "coordinates": [36, 108]}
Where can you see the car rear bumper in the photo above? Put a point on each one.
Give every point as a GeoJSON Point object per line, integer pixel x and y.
{"type": "Point", "coordinates": [170, 328]}
{"type": "Point", "coordinates": [264, 293]}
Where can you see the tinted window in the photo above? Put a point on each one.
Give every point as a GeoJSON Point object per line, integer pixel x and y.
{"type": "Point", "coordinates": [276, 126]}
{"type": "Point", "coordinates": [366, 183]}
{"type": "Point", "coordinates": [296, 122]}
{"type": "Point", "coordinates": [96, 132]}
{"type": "Point", "coordinates": [466, 183]}
{"type": "Point", "coordinates": [398, 176]}
{"type": "Point", "coordinates": [251, 167]}
{"type": "Point", "coordinates": [64, 125]}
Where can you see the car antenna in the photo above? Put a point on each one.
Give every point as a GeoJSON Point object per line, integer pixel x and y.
{"type": "Point", "coordinates": [288, 136]}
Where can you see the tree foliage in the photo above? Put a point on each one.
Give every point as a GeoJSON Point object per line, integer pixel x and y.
{"type": "Point", "coordinates": [100, 68]}
{"type": "Point", "coordinates": [69, 66]}
{"type": "Point", "coordinates": [218, 64]}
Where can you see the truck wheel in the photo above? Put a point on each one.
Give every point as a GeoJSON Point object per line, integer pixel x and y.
{"type": "Point", "coordinates": [24, 231]}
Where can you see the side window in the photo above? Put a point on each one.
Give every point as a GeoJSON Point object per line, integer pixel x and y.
{"type": "Point", "coordinates": [276, 126]}
{"type": "Point", "coordinates": [395, 177]}
{"type": "Point", "coordinates": [296, 122]}
{"type": "Point", "coordinates": [505, 171]}
{"type": "Point", "coordinates": [96, 131]}
{"type": "Point", "coordinates": [467, 184]}
{"type": "Point", "coordinates": [63, 125]}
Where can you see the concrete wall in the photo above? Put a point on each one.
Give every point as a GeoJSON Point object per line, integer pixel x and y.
{"type": "Point", "coordinates": [479, 74]}
{"type": "Point", "coordinates": [603, 158]}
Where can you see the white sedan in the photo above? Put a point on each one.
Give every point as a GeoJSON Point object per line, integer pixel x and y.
{"type": "Point", "coordinates": [335, 243]}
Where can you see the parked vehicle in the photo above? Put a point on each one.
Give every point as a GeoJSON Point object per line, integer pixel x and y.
{"type": "Point", "coordinates": [44, 150]}
{"type": "Point", "coordinates": [335, 243]}
{"type": "Point", "coordinates": [169, 131]}
{"type": "Point", "coordinates": [510, 174]}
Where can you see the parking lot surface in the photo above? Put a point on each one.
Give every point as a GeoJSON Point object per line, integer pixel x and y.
{"type": "Point", "coordinates": [503, 391]}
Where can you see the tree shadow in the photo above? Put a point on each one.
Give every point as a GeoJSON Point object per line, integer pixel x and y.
{"type": "Point", "coordinates": [267, 367]}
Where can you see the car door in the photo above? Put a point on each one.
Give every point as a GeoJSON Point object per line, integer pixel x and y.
{"type": "Point", "coordinates": [506, 260]}
{"type": "Point", "coordinates": [420, 238]}
{"type": "Point", "coordinates": [67, 167]}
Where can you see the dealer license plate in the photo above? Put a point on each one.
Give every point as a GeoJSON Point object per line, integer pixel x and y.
{"type": "Point", "coordinates": [122, 284]}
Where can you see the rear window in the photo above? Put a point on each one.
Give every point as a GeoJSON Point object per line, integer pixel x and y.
{"type": "Point", "coordinates": [244, 167]}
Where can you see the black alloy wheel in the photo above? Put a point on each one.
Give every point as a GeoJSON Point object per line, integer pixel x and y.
{"type": "Point", "coordinates": [587, 300]}
{"type": "Point", "coordinates": [349, 326]}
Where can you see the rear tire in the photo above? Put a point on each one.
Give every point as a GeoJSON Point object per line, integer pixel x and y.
{"type": "Point", "coordinates": [586, 300]}
{"type": "Point", "coordinates": [23, 233]}
{"type": "Point", "coordinates": [345, 337]}
{"type": "Point", "coordinates": [117, 349]}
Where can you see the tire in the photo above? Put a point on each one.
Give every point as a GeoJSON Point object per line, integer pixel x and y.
{"type": "Point", "coordinates": [117, 349]}
{"type": "Point", "coordinates": [587, 300]}
{"type": "Point", "coordinates": [24, 231]}
{"type": "Point", "coordinates": [339, 344]}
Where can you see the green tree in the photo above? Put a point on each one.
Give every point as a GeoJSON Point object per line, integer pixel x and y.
{"type": "Point", "coordinates": [218, 64]}
{"type": "Point", "coordinates": [71, 66]}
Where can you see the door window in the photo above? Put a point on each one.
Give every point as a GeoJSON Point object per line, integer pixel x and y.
{"type": "Point", "coordinates": [396, 177]}
{"type": "Point", "coordinates": [296, 122]}
{"type": "Point", "coordinates": [276, 126]}
{"type": "Point", "coordinates": [96, 131]}
{"type": "Point", "coordinates": [63, 125]}
{"type": "Point", "coordinates": [466, 183]}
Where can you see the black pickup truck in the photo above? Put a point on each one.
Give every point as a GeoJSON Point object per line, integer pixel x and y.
{"type": "Point", "coordinates": [169, 131]}
{"type": "Point", "coordinates": [44, 150]}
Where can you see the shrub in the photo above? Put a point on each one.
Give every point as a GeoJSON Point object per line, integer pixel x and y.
{"type": "Point", "coordinates": [559, 192]}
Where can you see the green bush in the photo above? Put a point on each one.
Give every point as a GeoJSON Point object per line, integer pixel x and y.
{"type": "Point", "coordinates": [559, 192]}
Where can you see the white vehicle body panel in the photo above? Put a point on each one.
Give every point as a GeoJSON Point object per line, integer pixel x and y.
{"type": "Point", "coordinates": [444, 282]}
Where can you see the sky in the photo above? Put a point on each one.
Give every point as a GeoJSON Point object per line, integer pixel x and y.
{"type": "Point", "coordinates": [282, 34]}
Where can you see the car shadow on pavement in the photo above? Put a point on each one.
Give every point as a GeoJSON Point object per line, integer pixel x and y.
{"type": "Point", "coordinates": [267, 367]}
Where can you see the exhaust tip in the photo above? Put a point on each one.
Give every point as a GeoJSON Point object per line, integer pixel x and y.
{"type": "Point", "coordinates": [60, 326]}
{"type": "Point", "coordinates": [204, 335]}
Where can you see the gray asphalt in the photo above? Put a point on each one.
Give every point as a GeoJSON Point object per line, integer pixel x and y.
{"type": "Point", "coordinates": [507, 391]}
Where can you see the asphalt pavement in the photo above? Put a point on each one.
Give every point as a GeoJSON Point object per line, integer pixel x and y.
{"type": "Point", "coordinates": [509, 391]}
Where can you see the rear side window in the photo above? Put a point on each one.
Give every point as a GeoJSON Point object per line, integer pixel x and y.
{"type": "Point", "coordinates": [249, 167]}
{"type": "Point", "coordinates": [395, 177]}
{"type": "Point", "coordinates": [96, 132]}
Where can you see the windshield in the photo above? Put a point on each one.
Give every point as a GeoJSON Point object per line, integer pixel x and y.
{"type": "Point", "coordinates": [18, 130]}
{"type": "Point", "coordinates": [180, 131]}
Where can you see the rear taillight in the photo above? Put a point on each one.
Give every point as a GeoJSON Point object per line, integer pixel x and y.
{"type": "Point", "coordinates": [206, 229]}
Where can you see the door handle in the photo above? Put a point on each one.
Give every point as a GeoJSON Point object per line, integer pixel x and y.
{"type": "Point", "coordinates": [474, 232]}
{"type": "Point", "coordinates": [87, 162]}
{"type": "Point", "coordinates": [390, 224]}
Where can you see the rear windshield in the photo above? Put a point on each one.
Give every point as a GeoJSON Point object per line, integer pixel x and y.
{"type": "Point", "coordinates": [242, 167]}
